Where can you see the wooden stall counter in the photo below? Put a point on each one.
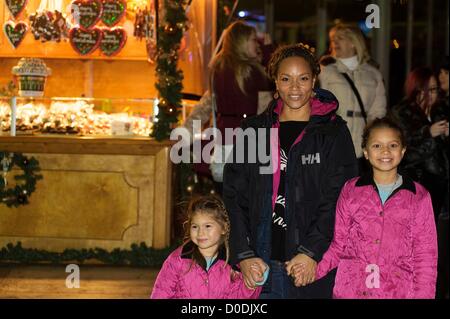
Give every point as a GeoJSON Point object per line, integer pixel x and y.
{"type": "Point", "coordinates": [96, 192]}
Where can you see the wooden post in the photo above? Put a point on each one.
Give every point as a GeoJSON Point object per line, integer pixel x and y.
{"type": "Point", "coordinates": [409, 35]}
{"type": "Point", "coordinates": [88, 78]}
{"type": "Point", "coordinates": [430, 33]}
{"type": "Point", "coordinates": [321, 35]}
{"type": "Point", "coordinates": [270, 18]}
{"type": "Point", "coordinates": [382, 41]}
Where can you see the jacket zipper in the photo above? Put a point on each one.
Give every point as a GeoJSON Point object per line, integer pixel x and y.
{"type": "Point", "coordinates": [286, 183]}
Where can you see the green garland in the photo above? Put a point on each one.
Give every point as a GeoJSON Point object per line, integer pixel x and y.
{"type": "Point", "coordinates": [139, 255]}
{"type": "Point", "coordinates": [169, 77]}
{"type": "Point", "coordinates": [19, 194]}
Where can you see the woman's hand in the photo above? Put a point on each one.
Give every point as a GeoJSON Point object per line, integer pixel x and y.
{"type": "Point", "coordinates": [302, 269]}
{"type": "Point", "coordinates": [439, 128]}
{"type": "Point", "coordinates": [253, 271]}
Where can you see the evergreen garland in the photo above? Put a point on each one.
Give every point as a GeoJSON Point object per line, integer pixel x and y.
{"type": "Point", "coordinates": [169, 77]}
{"type": "Point", "coordinates": [139, 255]}
{"type": "Point", "coordinates": [19, 194]}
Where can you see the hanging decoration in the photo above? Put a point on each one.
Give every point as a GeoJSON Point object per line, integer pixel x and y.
{"type": "Point", "coordinates": [86, 13]}
{"type": "Point", "coordinates": [145, 27]}
{"type": "Point", "coordinates": [112, 40]}
{"type": "Point", "coordinates": [16, 7]}
{"type": "Point", "coordinates": [49, 26]}
{"type": "Point", "coordinates": [85, 41]}
{"type": "Point", "coordinates": [15, 32]}
{"type": "Point", "coordinates": [169, 77]}
{"type": "Point", "coordinates": [18, 194]}
{"type": "Point", "coordinates": [113, 11]}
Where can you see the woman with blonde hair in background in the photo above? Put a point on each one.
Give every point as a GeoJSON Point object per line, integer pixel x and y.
{"type": "Point", "coordinates": [236, 78]}
{"type": "Point", "coordinates": [357, 84]}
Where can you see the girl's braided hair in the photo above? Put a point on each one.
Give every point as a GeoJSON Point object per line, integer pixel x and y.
{"type": "Point", "coordinates": [294, 50]}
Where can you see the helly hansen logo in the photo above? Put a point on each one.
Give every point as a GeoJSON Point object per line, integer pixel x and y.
{"type": "Point", "coordinates": [311, 159]}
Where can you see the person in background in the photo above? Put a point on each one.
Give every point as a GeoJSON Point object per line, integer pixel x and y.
{"type": "Point", "coordinates": [349, 65]}
{"type": "Point", "coordinates": [237, 77]}
{"type": "Point", "coordinates": [199, 269]}
{"type": "Point", "coordinates": [384, 244]}
{"type": "Point", "coordinates": [426, 158]}
{"type": "Point", "coordinates": [284, 217]}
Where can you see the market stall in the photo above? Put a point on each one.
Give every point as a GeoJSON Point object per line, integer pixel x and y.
{"type": "Point", "coordinates": [87, 119]}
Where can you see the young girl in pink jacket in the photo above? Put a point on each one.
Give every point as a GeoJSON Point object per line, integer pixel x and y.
{"type": "Point", "coordinates": [199, 269]}
{"type": "Point", "coordinates": [384, 243]}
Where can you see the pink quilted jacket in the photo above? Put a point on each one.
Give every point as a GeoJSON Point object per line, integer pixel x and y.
{"type": "Point", "coordinates": [174, 281]}
{"type": "Point", "coordinates": [381, 251]}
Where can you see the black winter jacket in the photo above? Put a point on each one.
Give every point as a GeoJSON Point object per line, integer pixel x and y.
{"type": "Point", "coordinates": [424, 154]}
{"type": "Point", "coordinates": [319, 164]}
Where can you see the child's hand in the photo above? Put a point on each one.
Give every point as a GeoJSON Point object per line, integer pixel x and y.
{"type": "Point", "coordinates": [302, 269]}
{"type": "Point", "coordinates": [252, 270]}
{"type": "Point", "coordinates": [259, 269]}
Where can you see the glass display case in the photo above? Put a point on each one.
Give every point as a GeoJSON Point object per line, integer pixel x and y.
{"type": "Point", "coordinates": [80, 116]}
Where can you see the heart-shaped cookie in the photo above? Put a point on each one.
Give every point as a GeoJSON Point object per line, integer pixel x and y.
{"type": "Point", "coordinates": [86, 13]}
{"type": "Point", "coordinates": [85, 41]}
{"type": "Point", "coordinates": [113, 40]}
{"type": "Point", "coordinates": [15, 32]}
{"type": "Point", "coordinates": [113, 11]}
{"type": "Point", "coordinates": [16, 7]}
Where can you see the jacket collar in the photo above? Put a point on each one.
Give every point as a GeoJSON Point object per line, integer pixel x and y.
{"type": "Point", "coordinates": [188, 249]}
{"type": "Point", "coordinates": [323, 104]}
{"type": "Point", "coordinates": [367, 180]}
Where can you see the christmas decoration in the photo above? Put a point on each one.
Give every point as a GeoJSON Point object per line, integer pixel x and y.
{"type": "Point", "coordinates": [15, 32]}
{"type": "Point", "coordinates": [113, 40]}
{"type": "Point", "coordinates": [145, 27]}
{"type": "Point", "coordinates": [139, 255]}
{"type": "Point", "coordinates": [169, 84]}
{"type": "Point", "coordinates": [49, 26]}
{"type": "Point", "coordinates": [18, 194]}
{"type": "Point", "coordinates": [113, 11]}
{"type": "Point", "coordinates": [16, 7]}
{"type": "Point", "coordinates": [85, 41]}
{"type": "Point", "coordinates": [86, 13]}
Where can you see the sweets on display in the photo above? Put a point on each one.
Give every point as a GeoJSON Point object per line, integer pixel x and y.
{"type": "Point", "coordinates": [74, 117]}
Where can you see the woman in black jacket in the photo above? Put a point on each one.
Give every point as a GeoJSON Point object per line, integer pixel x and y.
{"type": "Point", "coordinates": [425, 158]}
{"type": "Point", "coordinates": [285, 217]}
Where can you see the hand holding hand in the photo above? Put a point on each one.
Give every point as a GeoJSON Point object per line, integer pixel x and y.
{"type": "Point", "coordinates": [252, 270]}
{"type": "Point", "coordinates": [302, 269]}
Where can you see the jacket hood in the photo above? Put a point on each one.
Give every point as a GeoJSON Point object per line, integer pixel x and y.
{"type": "Point", "coordinates": [322, 104]}
{"type": "Point", "coordinates": [323, 109]}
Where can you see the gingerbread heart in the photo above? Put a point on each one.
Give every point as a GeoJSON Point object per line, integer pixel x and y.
{"type": "Point", "coordinates": [86, 13]}
{"type": "Point", "coordinates": [16, 6]}
{"type": "Point", "coordinates": [113, 11]}
{"type": "Point", "coordinates": [15, 32]}
{"type": "Point", "coordinates": [85, 41]}
{"type": "Point", "coordinates": [113, 40]}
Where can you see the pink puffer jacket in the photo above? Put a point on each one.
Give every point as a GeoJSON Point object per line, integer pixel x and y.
{"type": "Point", "coordinates": [176, 281]}
{"type": "Point", "coordinates": [397, 241]}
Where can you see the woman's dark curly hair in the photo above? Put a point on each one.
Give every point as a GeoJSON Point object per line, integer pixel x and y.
{"type": "Point", "coordinates": [385, 122]}
{"type": "Point", "coordinates": [294, 50]}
